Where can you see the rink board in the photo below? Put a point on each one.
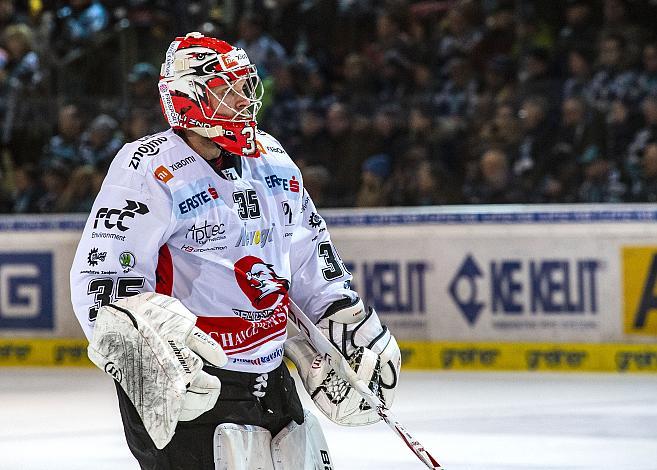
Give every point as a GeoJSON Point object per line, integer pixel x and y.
{"type": "Point", "coordinates": [452, 283]}
{"type": "Point", "coordinates": [573, 274]}
{"type": "Point", "coordinates": [415, 355]}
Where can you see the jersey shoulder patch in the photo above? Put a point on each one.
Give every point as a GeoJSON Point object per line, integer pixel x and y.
{"type": "Point", "coordinates": [270, 147]}
{"type": "Point", "coordinates": [137, 156]}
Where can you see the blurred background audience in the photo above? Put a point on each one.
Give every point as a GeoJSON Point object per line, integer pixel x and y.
{"type": "Point", "coordinates": [380, 103]}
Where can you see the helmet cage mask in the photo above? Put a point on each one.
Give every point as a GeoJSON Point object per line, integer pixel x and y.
{"type": "Point", "coordinates": [210, 87]}
{"type": "Point", "coordinates": [245, 85]}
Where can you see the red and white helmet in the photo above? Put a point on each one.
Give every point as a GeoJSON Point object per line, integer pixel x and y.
{"type": "Point", "coordinates": [193, 65]}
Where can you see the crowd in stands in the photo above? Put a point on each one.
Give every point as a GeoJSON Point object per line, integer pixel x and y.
{"type": "Point", "coordinates": [379, 102]}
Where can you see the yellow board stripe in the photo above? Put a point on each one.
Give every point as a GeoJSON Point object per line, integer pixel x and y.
{"type": "Point", "coordinates": [560, 357]}
{"type": "Point", "coordinates": [44, 352]}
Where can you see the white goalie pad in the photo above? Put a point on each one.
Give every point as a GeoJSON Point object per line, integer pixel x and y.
{"type": "Point", "coordinates": [242, 447]}
{"type": "Point", "coordinates": [301, 446]}
{"type": "Point", "coordinates": [148, 343]}
{"type": "Point", "coordinates": [297, 446]}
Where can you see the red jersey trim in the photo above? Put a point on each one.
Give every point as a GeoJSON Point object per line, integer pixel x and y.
{"type": "Point", "coordinates": [164, 272]}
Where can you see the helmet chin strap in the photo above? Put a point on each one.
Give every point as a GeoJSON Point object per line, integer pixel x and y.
{"type": "Point", "coordinates": [209, 132]}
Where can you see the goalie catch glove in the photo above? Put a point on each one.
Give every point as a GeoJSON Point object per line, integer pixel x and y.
{"type": "Point", "coordinates": [372, 352]}
{"type": "Point", "coordinates": [148, 343]}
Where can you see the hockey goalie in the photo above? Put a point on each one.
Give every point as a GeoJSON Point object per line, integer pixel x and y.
{"type": "Point", "coordinates": [197, 241]}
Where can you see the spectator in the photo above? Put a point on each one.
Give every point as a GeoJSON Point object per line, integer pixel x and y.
{"type": "Point", "coordinates": [100, 142]}
{"type": "Point", "coordinates": [644, 184]}
{"type": "Point", "coordinates": [9, 16]}
{"type": "Point", "coordinates": [425, 86]}
{"type": "Point", "coordinates": [283, 119]}
{"type": "Point", "coordinates": [318, 91]}
{"type": "Point", "coordinates": [286, 21]}
{"type": "Point", "coordinates": [27, 189]}
{"type": "Point", "coordinates": [536, 78]}
{"type": "Point", "coordinates": [647, 80]}
{"type": "Point", "coordinates": [502, 132]}
{"type": "Point", "coordinates": [394, 85]}
{"type": "Point", "coordinates": [601, 182]}
{"type": "Point", "coordinates": [24, 116]}
{"type": "Point", "coordinates": [78, 22]}
{"type": "Point", "coordinates": [316, 179]}
{"type": "Point", "coordinates": [619, 131]}
{"type": "Point", "coordinates": [616, 21]}
{"type": "Point", "coordinates": [261, 48]}
{"type": "Point", "coordinates": [420, 128]}
{"type": "Point", "coordinates": [139, 124]}
{"type": "Point", "coordinates": [457, 98]}
{"type": "Point", "coordinates": [579, 28]}
{"type": "Point", "coordinates": [54, 178]}
{"type": "Point", "coordinates": [348, 148]}
{"type": "Point", "coordinates": [493, 182]}
{"type": "Point", "coordinates": [648, 133]}
{"type": "Point", "coordinates": [387, 134]}
{"type": "Point", "coordinates": [418, 181]}
{"type": "Point", "coordinates": [64, 147]}
{"type": "Point", "coordinates": [461, 35]}
{"type": "Point", "coordinates": [578, 129]}
{"type": "Point", "coordinates": [535, 143]}
{"type": "Point", "coordinates": [459, 81]}
{"type": "Point", "coordinates": [310, 145]}
{"type": "Point", "coordinates": [82, 188]}
{"type": "Point", "coordinates": [390, 40]}
{"type": "Point", "coordinates": [499, 81]}
{"type": "Point", "coordinates": [358, 90]}
{"type": "Point", "coordinates": [499, 34]}
{"type": "Point", "coordinates": [531, 32]}
{"type": "Point", "coordinates": [612, 80]}
{"type": "Point", "coordinates": [373, 191]}
{"type": "Point", "coordinates": [579, 75]}
{"type": "Point", "coordinates": [577, 135]}
{"type": "Point", "coordinates": [142, 88]}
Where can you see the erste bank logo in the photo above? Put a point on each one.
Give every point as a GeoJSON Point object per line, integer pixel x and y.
{"type": "Point", "coordinates": [640, 290]}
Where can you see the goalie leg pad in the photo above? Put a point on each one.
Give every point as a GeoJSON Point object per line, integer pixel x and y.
{"type": "Point", "coordinates": [242, 447]}
{"type": "Point", "coordinates": [301, 446]}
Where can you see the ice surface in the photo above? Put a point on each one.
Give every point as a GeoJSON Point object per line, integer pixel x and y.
{"type": "Point", "coordinates": [68, 419]}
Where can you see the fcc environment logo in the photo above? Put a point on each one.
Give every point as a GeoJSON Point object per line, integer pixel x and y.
{"type": "Point", "coordinates": [26, 291]}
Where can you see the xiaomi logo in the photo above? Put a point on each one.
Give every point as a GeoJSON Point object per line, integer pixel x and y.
{"type": "Point", "coordinates": [163, 174]}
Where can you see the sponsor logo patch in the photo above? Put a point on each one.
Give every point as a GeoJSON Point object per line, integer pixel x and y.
{"type": "Point", "coordinates": [94, 257]}
{"type": "Point", "coordinates": [163, 174]}
{"type": "Point", "coordinates": [255, 237]}
{"type": "Point", "coordinates": [118, 218]}
{"type": "Point", "coordinates": [196, 199]}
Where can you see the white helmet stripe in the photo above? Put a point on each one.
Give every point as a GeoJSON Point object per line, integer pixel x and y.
{"type": "Point", "coordinates": [167, 104]}
{"type": "Point", "coordinates": [168, 65]}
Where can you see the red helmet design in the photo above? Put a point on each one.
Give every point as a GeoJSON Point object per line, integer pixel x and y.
{"type": "Point", "coordinates": [260, 283]}
{"type": "Point", "coordinates": [210, 87]}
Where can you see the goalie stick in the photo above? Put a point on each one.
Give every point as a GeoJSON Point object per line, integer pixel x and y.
{"type": "Point", "coordinates": [323, 346]}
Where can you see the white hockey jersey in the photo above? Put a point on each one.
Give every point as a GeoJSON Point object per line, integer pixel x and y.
{"type": "Point", "coordinates": [230, 244]}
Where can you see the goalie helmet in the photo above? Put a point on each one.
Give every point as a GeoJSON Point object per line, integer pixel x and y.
{"type": "Point", "coordinates": [210, 87]}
